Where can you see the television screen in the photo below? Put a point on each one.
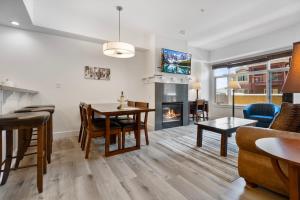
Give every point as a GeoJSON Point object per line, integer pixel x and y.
{"type": "Point", "coordinates": [175, 62]}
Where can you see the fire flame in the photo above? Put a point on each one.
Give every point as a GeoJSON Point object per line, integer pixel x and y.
{"type": "Point", "coordinates": [171, 114]}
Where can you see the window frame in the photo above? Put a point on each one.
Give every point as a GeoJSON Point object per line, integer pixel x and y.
{"type": "Point", "coordinates": [269, 89]}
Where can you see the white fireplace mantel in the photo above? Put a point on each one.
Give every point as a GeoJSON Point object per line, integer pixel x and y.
{"type": "Point", "coordinates": [167, 78]}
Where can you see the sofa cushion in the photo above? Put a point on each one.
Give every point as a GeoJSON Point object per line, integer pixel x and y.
{"type": "Point", "coordinates": [262, 118]}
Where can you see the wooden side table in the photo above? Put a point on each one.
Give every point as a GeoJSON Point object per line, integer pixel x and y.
{"type": "Point", "coordinates": [287, 150]}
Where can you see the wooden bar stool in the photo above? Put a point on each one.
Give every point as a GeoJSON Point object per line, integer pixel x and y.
{"type": "Point", "coordinates": [40, 106]}
{"type": "Point", "coordinates": [49, 129]}
{"type": "Point", "coordinates": [24, 121]}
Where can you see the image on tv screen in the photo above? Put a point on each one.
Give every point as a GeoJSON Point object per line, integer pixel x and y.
{"type": "Point", "coordinates": [176, 62]}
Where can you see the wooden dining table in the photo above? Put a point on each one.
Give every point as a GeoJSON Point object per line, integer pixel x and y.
{"type": "Point", "coordinates": [111, 109]}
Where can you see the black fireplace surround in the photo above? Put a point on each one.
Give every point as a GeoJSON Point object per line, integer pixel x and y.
{"type": "Point", "coordinates": [171, 103]}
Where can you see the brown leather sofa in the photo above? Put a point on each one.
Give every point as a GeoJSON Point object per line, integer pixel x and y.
{"type": "Point", "coordinates": [253, 166]}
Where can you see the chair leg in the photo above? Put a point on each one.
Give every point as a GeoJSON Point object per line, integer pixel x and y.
{"type": "Point", "coordinates": [46, 149]}
{"type": "Point", "coordinates": [0, 151]}
{"type": "Point", "coordinates": [83, 139]}
{"type": "Point", "coordinates": [8, 159]}
{"type": "Point", "coordinates": [123, 139]}
{"type": "Point", "coordinates": [146, 135]}
{"type": "Point", "coordinates": [80, 133]}
{"type": "Point", "coordinates": [135, 134]}
{"type": "Point", "coordinates": [49, 139]}
{"type": "Point", "coordinates": [119, 140]}
{"type": "Point", "coordinates": [40, 158]}
{"type": "Point", "coordinates": [21, 147]}
{"type": "Point", "coordinates": [88, 146]}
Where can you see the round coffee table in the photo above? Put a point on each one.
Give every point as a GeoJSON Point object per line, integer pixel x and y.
{"type": "Point", "coordinates": [287, 150]}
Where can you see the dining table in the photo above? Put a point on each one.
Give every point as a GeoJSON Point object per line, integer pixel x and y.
{"type": "Point", "coordinates": [112, 109]}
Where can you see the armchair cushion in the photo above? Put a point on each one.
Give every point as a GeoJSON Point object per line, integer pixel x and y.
{"type": "Point", "coordinates": [262, 118]}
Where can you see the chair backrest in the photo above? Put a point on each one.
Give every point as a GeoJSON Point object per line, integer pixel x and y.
{"type": "Point", "coordinates": [80, 111]}
{"type": "Point", "coordinates": [87, 116]}
{"type": "Point", "coordinates": [143, 105]}
{"type": "Point", "coordinates": [130, 103]}
{"type": "Point", "coordinates": [200, 103]}
{"type": "Point", "coordinates": [265, 109]}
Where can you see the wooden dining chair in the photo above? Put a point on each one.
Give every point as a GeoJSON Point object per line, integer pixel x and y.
{"type": "Point", "coordinates": [199, 111]}
{"type": "Point", "coordinates": [130, 103]}
{"type": "Point", "coordinates": [97, 128]}
{"type": "Point", "coordinates": [129, 125]}
{"type": "Point", "coordinates": [126, 117]}
{"type": "Point", "coordinates": [81, 122]}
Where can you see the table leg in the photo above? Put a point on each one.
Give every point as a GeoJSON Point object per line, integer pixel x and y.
{"type": "Point", "coordinates": [107, 135]}
{"type": "Point", "coordinates": [199, 136]}
{"type": "Point", "coordinates": [138, 131]}
{"type": "Point", "coordinates": [294, 186]}
{"type": "Point", "coordinates": [224, 144]}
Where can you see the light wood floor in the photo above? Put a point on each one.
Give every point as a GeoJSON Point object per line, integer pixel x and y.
{"type": "Point", "coordinates": [153, 172]}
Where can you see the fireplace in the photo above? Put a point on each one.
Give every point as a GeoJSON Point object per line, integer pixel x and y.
{"type": "Point", "coordinates": [171, 105]}
{"type": "Point", "coordinates": [171, 114]}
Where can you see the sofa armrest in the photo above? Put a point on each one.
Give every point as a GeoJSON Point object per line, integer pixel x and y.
{"type": "Point", "coordinates": [246, 111]}
{"type": "Point", "coordinates": [246, 136]}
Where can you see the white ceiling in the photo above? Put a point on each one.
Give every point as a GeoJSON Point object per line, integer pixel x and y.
{"type": "Point", "coordinates": [223, 22]}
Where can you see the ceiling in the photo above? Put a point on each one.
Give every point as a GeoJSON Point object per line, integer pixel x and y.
{"type": "Point", "coordinates": [207, 24]}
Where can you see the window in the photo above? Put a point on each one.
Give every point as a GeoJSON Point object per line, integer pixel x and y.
{"type": "Point", "coordinates": [242, 77]}
{"type": "Point", "coordinates": [260, 82]}
{"type": "Point", "coordinates": [221, 90]}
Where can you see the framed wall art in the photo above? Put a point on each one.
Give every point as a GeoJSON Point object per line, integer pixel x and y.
{"type": "Point", "coordinates": [96, 73]}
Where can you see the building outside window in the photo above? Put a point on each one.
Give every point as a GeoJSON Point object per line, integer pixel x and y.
{"type": "Point", "coordinates": [260, 82]}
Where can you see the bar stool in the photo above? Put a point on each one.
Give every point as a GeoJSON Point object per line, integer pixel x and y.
{"type": "Point", "coordinates": [10, 122]}
{"type": "Point", "coordinates": [40, 106]}
{"type": "Point", "coordinates": [49, 131]}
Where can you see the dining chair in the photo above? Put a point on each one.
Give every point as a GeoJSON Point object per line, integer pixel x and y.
{"type": "Point", "coordinates": [94, 129]}
{"type": "Point", "coordinates": [81, 122]}
{"type": "Point", "coordinates": [129, 125]}
{"type": "Point", "coordinates": [130, 103]}
{"type": "Point", "coordinates": [127, 117]}
{"type": "Point", "coordinates": [200, 103]}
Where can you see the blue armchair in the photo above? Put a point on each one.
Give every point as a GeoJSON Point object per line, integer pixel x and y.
{"type": "Point", "coordinates": [264, 113]}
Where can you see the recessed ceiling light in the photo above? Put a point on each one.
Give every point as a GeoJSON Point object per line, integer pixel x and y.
{"type": "Point", "coordinates": [15, 23]}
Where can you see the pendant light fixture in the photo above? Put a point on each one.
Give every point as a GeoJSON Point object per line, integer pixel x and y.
{"type": "Point", "coordinates": [118, 49]}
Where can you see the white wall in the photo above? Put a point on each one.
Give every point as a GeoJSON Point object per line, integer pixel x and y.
{"type": "Point", "coordinates": [54, 66]}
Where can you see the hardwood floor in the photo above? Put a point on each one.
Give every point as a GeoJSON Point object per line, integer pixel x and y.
{"type": "Point", "coordinates": [154, 172]}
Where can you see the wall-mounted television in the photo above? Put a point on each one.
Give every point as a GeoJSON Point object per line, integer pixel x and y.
{"type": "Point", "coordinates": [175, 62]}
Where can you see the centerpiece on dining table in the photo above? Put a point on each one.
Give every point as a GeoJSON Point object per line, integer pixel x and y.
{"type": "Point", "coordinates": [122, 101]}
